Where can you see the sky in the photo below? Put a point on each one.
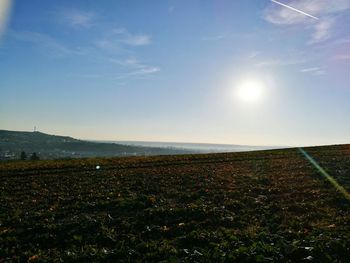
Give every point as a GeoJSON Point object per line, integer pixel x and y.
{"type": "Point", "coordinates": [167, 70]}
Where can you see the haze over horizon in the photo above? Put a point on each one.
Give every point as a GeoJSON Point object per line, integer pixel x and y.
{"type": "Point", "coordinates": [241, 72]}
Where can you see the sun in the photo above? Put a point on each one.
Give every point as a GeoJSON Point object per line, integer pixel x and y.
{"type": "Point", "coordinates": [250, 91]}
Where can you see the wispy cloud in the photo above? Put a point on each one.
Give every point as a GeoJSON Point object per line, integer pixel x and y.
{"type": "Point", "coordinates": [294, 9]}
{"type": "Point", "coordinates": [78, 18]}
{"type": "Point", "coordinates": [123, 76]}
{"type": "Point", "coordinates": [319, 8]}
{"type": "Point", "coordinates": [319, 72]}
{"type": "Point", "coordinates": [5, 8]}
{"type": "Point", "coordinates": [280, 62]}
{"type": "Point", "coordinates": [341, 41]}
{"type": "Point", "coordinates": [128, 69]}
{"type": "Point", "coordinates": [113, 46]}
{"type": "Point", "coordinates": [309, 69]}
{"type": "Point", "coordinates": [124, 36]}
{"type": "Point", "coordinates": [107, 44]}
{"type": "Point", "coordinates": [129, 62]}
{"type": "Point", "coordinates": [134, 67]}
{"type": "Point", "coordinates": [44, 41]}
{"type": "Point", "coordinates": [213, 38]}
{"type": "Point", "coordinates": [342, 57]}
{"type": "Point", "coordinates": [138, 73]}
{"type": "Point", "coordinates": [322, 31]}
{"type": "Point", "coordinates": [253, 54]}
{"type": "Point", "coordinates": [314, 70]}
{"type": "Point", "coordinates": [325, 10]}
{"type": "Point", "coordinates": [119, 40]}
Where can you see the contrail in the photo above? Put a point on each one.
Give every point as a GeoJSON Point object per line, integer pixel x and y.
{"type": "Point", "coordinates": [294, 9]}
{"type": "Point", "coordinates": [325, 174]}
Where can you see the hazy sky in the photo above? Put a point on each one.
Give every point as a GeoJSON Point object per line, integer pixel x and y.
{"type": "Point", "coordinates": [170, 70]}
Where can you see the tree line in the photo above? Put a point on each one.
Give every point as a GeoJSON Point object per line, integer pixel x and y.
{"type": "Point", "coordinates": [33, 156]}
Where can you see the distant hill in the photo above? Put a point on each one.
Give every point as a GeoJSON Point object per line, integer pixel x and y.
{"type": "Point", "coordinates": [201, 147]}
{"type": "Point", "coordinates": [47, 146]}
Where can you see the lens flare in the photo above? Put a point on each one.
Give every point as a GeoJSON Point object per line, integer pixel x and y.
{"type": "Point", "coordinates": [325, 174]}
{"type": "Point", "coordinates": [5, 8]}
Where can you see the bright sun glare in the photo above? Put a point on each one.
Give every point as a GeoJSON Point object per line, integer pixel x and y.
{"type": "Point", "coordinates": [250, 91]}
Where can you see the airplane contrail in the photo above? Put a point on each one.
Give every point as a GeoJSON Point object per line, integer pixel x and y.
{"type": "Point", "coordinates": [294, 9]}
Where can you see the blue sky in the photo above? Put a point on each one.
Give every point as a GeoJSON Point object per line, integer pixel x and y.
{"type": "Point", "coordinates": [169, 70]}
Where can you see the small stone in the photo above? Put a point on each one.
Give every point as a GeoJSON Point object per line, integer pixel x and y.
{"type": "Point", "coordinates": [309, 258]}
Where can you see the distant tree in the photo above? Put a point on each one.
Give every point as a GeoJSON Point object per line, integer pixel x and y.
{"type": "Point", "coordinates": [34, 156]}
{"type": "Point", "coordinates": [23, 156]}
